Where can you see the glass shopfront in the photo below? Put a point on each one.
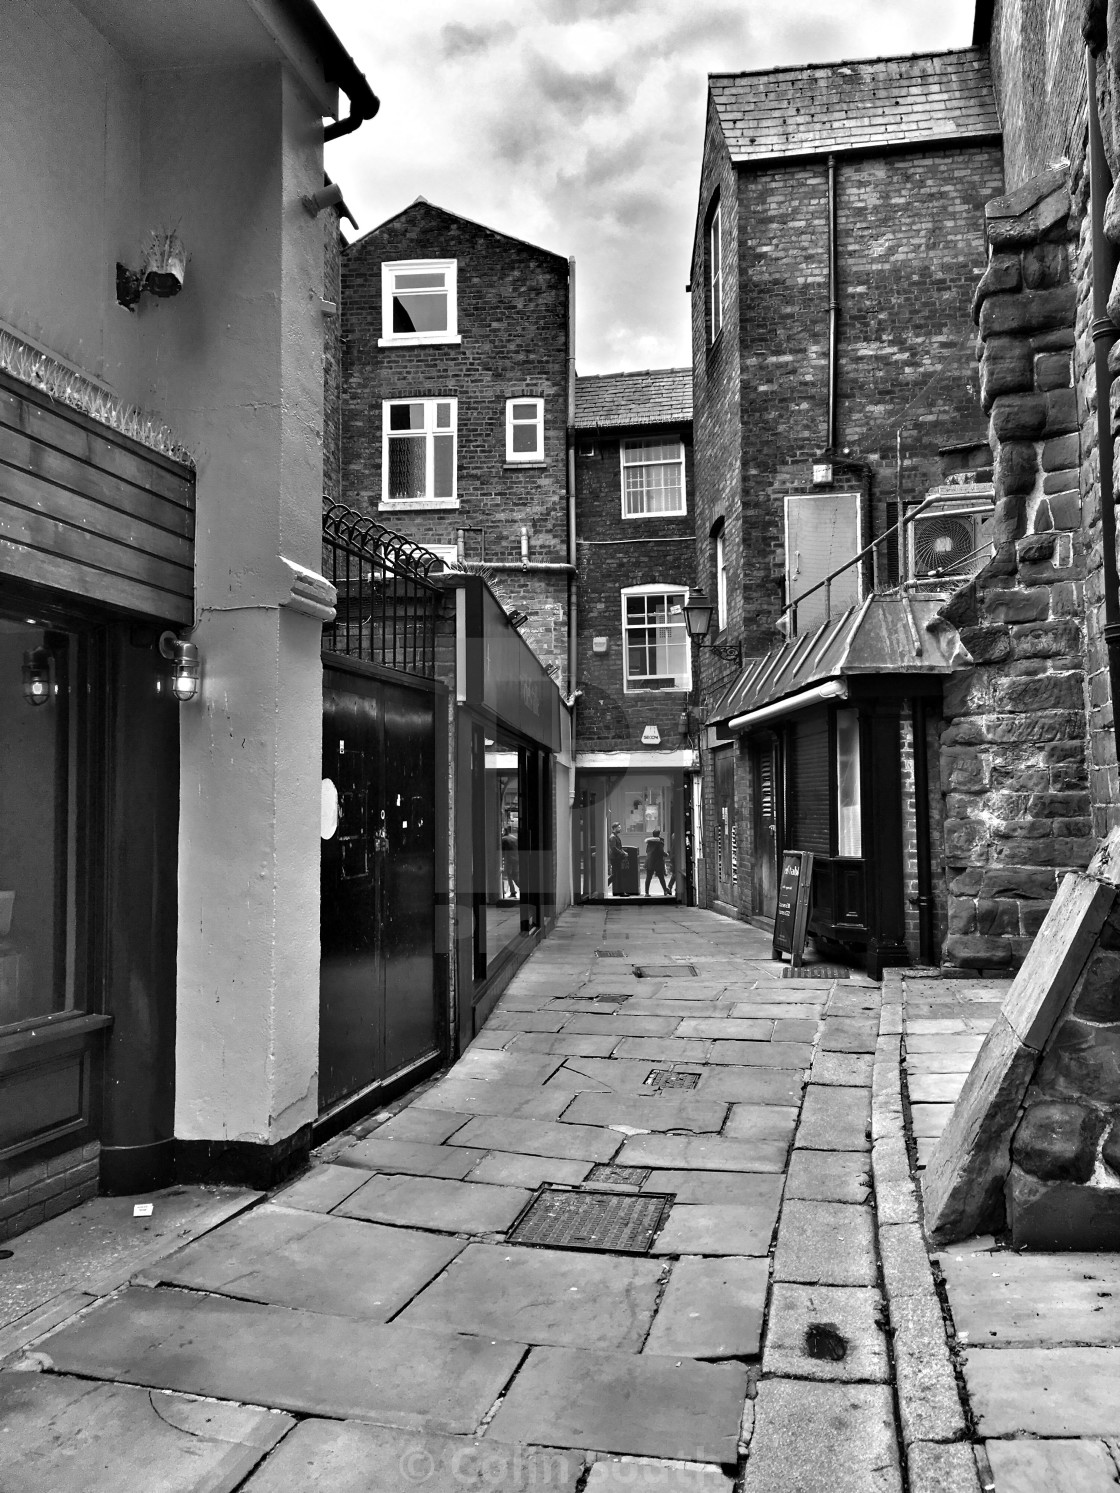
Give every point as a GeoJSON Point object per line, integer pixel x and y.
{"type": "Point", "coordinates": [501, 870]}
{"type": "Point", "coordinates": [633, 834]}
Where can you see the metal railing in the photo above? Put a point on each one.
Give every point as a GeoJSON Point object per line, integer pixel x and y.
{"type": "Point", "coordinates": [386, 610]}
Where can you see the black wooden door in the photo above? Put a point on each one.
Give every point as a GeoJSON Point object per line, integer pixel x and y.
{"type": "Point", "coordinates": [377, 996]}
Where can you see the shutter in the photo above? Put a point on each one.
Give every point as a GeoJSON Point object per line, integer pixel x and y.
{"type": "Point", "coordinates": [811, 816]}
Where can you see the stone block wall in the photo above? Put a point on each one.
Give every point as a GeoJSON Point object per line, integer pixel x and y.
{"type": "Point", "coordinates": [1014, 758]}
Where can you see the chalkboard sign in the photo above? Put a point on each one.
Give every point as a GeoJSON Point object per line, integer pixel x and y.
{"type": "Point", "coordinates": [792, 917]}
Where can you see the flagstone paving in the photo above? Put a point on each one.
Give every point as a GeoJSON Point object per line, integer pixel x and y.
{"type": "Point", "coordinates": [378, 1299]}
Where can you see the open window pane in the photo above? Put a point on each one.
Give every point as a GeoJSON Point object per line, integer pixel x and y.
{"type": "Point", "coordinates": [418, 301]}
{"type": "Point", "coordinates": [420, 313]}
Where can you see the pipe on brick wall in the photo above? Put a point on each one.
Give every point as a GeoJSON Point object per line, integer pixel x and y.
{"type": "Point", "coordinates": [573, 589]}
{"type": "Point", "coordinates": [833, 305]}
{"type": "Point", "coordinates": [921, 831]}
{"type": "Point", "coordinates": [1104, 335]}
{"type": "Point", "coordinates": [548, 567]}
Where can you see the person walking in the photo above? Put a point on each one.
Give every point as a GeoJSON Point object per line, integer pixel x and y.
{"type": "Point", "coordinates": [510, 861]}
{"type": "Point", "coordinates": [655, 860]}
{"type": "Point", "coordinates": [616, 860]}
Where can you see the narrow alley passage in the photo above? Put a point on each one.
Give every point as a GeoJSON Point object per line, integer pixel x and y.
{"type": "Point", "coordinates": [627, 1241]}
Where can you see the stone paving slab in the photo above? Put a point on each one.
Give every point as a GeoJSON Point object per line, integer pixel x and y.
{"type": "Point", "coordinates": [711, 1153]}
{"type": "Point", "coordinates": [823, 1438]}
{"type": "Point", "coordinates": [615, 1402]}
{"type": "Point", "coordinates": [935, 1088]}
{"type": "Point", "coordinates": [668, 1111]}
{"type": "Point", "coordinates": [999, 1297]}
{"type": "Point", "coordinates": [437, 1203]}
{"type": "Point", "coordinates": [316, 1261]}
{"type": "Point", "coordinates": [323, 1456]}
{"type": "Point", "coordinates": [766, 1054]}
{"type": "Point", "coordinates": [1036, 1466]}
{"type": "Point", "coordinates": [929, 1120]}
{"type": "Point", "coordinates": [712, 1308]}
{"type": "Point", "coordinates": [789, 1029]}
{"type": "Point", "coordinates": [588, 1047]}
{"type": "Point", "coordinates": [942, 1043]}
{"type": "Point", "coordinates": [722, 1228]}
{"type": "Point", "coordinates": [607, 1075]}
{"type": "Point", "coordinates": [835, 1119]}
{"type": "Point", "coordinates": [934, 1467]}
{"type": "Point", "coordinates": [802, 1010]}
{"type": "Point", "coordinates": [829, 1176]}
{"type": "Point", "coordinates": [951, 1061]}
{"type": "Point", "coordinates": [288, 1359]}
{"type": "Point", "coordinates": [526, 1068]}
{"type": "Point", "coordinates": [505, 1018]}
{"type": "Point", "coordinates": [569, 1298]}
{"type": "Point", "coordinates": [743, 1188]}
{"type": "Point", "coordinates": [414, 1157]}
{"type": "Point", "coordinates": [793, 1349]}
{"type": "Point", "coordinates": [505, 1169]}
{"type": "Point", "coordinates": [416, 1123]}
{"type": "Point", "coordinates": [663, 1049]}
{"type": "Point", "coordinates": [535, 1138]}
{"type": "Point", "coordinates": [1044, 1391]}
{"type": "Point", "coordinates": [761, 1122]}
{"type": "Point", "coordinates": [121, 1437]}
{"type": "Point", "coordinates": [600, 1024]}
{"type": "Point", "coordinates": [322, 1188]}
{"type": "Point", "coordinates": [752, 1085]}
{"type": "Point", "coordinates": [611, 1475]}
{"type": "Point", "coordinates": [848, 1034]}
{"type": "Point", "coordinates": [479, 1096]}
{"type": "Point", "coordinates": [826, 1244]}
{"type": "Point", "coordinates": [726, 1027]}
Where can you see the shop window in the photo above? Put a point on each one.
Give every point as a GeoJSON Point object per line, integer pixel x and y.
{"type": "Point", "coordinates": [43, 768]}
{"type": "Point", "coordinates": [418, 452]}
{"type": "Point", "coordinates": [652, 478]}
{"type": "Point", "coordinates": [524, 429]}
{"type": "Point", "coordinates": [822, 533]}
{"type": "Point", "coordinates": [713, 271]}
{"type": "Point", "coordinates": [848, 815]}
{"type": "Point", "coordinates": [656, 653]}
{"type": "Point", "coordinates": [419, 302]}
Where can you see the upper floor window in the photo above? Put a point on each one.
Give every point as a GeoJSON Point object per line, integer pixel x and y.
{"type": "Point", "coordinates": [656, 652]}
{"type": "Point", "coordinates": [524, 429]}
{"type": "Point", "coordinates": [652, 478]}
{"type": "Point", "coordinates": [721, 581]}
{"type": "Point", "coordinates": [713, 272]}
{"type": "Point", "coordinates": [419, 302]}
{"type": "Point", "coordinates": [418, 452]}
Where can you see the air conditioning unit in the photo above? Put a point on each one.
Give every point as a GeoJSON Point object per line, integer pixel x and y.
{"type": "Point", "coordinates": [950, 541]}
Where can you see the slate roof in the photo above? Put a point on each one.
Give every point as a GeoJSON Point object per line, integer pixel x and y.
{"type": "Point", "coordinates": [612, 401]}
{"type": "Point", "coordinates": [861, 105]}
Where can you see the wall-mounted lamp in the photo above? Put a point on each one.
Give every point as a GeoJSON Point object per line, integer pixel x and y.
{"type": "Point", "coordinates": [328, 196]}
{"type": "Point", "coordinates": [186, 665]}
{"type": "Point", "coordinates": [698, 619]}
{"type": "Point", "coordinates": [37, 676]}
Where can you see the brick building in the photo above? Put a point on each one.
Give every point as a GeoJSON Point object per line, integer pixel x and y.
{"type": "Point", "coordinates": [634, 537]}
{"type": "Point", "coordinates": [838, 241]}
{"type": "Point", "coordinates": [456, 373]}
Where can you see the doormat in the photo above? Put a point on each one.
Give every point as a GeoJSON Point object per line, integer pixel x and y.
{"type": "Point", "coordinates": [619, 1176]}
{"type": "Point", "coordinates": [616, 1222]}
{"type": "Point", "coordinates": [817, 972]}
{"type": "Point", "coordinates": [663, 971]}
{"type": "Point", "coordinates": [608, 953]}
{"type": "Point", "coordinates": [670, 1078]}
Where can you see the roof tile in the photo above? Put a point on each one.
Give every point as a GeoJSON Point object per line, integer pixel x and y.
{"type": "Point", "coordinates": [612, 401]}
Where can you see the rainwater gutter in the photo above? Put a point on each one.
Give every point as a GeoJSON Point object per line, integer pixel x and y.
{"type": "Point", "coordinates": [1104, 335]}
{"type": "Point", "coordinates": [832, 689]}
{"type": "Point", "coordinates": [833, 306]}
{"type": "Point", "coordinates": [337, 64]}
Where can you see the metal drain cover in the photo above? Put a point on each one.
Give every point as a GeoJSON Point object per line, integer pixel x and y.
{"type": "Point", "coordinates": [619, 1222]}
{"type": "Point", "coordinates": [620, 1176]}
{"type": "Point", "coordinates": [663, 971]}
{"type": "Point", "coordinates": [817, 972]}
{"type": "Point", "coordinates": [670, 1078]}
{"type": "Point", "coordinates": [608, 953]}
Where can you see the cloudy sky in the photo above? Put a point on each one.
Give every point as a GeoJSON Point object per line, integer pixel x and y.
{"type": "Point", "coordinates": [578, 125]}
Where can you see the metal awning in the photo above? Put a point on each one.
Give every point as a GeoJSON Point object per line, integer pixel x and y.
{"type": "Point", "coordinates": [895, 634]}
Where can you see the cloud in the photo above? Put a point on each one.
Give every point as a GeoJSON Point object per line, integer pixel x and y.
{"type": "Point", "coordinates": [575, 94]}
{"type": "Point", "coordinates": [457, 40]}
{"type": "Point", "coordinates": [569, 12]}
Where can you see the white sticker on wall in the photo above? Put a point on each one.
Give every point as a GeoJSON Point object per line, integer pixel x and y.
{"type": "Point", "coordinates": [328, 812]}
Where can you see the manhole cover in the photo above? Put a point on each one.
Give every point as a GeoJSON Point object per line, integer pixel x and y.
{"type": "Point", "coordinates": [817, 972]}
{"type": "Point", "coordinates": [669, 1078]}
{"type": "Point", "coordinates": [608, 953]}
{"type": "Point", "coordinates": [621, 1176]}
{"type": "Point", "coordinates": [663, 971]}
{"type": "Point", "coordinates": [622, 1222]}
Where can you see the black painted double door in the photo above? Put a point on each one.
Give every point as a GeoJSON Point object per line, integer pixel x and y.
{"type": "Point", "coordinates": [378, 1012]}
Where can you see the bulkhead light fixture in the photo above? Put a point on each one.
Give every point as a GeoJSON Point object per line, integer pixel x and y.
{"type": "Point", "coordinates": [37, 676]}
{"type": "Point", "coordinates": [186, 665]}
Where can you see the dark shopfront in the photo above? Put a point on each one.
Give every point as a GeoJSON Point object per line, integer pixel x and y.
{"type": "Point", "coordinates": [96, 560]}
{"type": "Point", "coordinates": [837, 764]}
{"type": "Point", "coordinates": [508, 731]}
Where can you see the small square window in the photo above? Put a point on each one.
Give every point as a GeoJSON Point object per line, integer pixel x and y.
{"type": "Point", "coordinates": [418, 453]}
{"type": "Point", "coordinates": [419, 302]}
{"type": "Point", "coordinates": [524, 429]}
{"type": "Point", "coordinates": [652, 478]}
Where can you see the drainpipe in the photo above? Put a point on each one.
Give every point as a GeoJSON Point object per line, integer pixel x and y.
{"type": "Point", "coordinates": [833, 305]}
{"type": "Point", "coordinates": [573, 574]}
{"type": "Point", "coordinates": [1104, 335]}
{"type": "Point", "coordinates": [921, 832]}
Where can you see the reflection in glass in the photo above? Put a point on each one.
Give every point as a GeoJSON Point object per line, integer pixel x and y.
{"type": "Point", "coordinates": [848, 816]}
{"type": "Point", "coordinates": [38, 826]}
{"type": "Point", "coordinates": [631, 838]}
{"type": "Point", "coordinates": [504, 774]}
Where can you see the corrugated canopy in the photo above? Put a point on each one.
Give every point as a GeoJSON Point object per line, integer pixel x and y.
{"type": "Point", "coordinates": [884, 635]}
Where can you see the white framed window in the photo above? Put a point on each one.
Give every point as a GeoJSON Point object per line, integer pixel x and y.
{"type": "Point", "coordinates": [524, 429]}
{"type": "Point", "coordinates": [419, 302]}
{"type": "Point", "coordinates": [418, 439]}
{"type": "Point", "coordinates": [714, 276]}
{"type": "Point", "coordinates": [656, 651]}
{"type": "Point", "coordinates": [652, 478]}
{"type": "Point", "coordinates": [721, 582]}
